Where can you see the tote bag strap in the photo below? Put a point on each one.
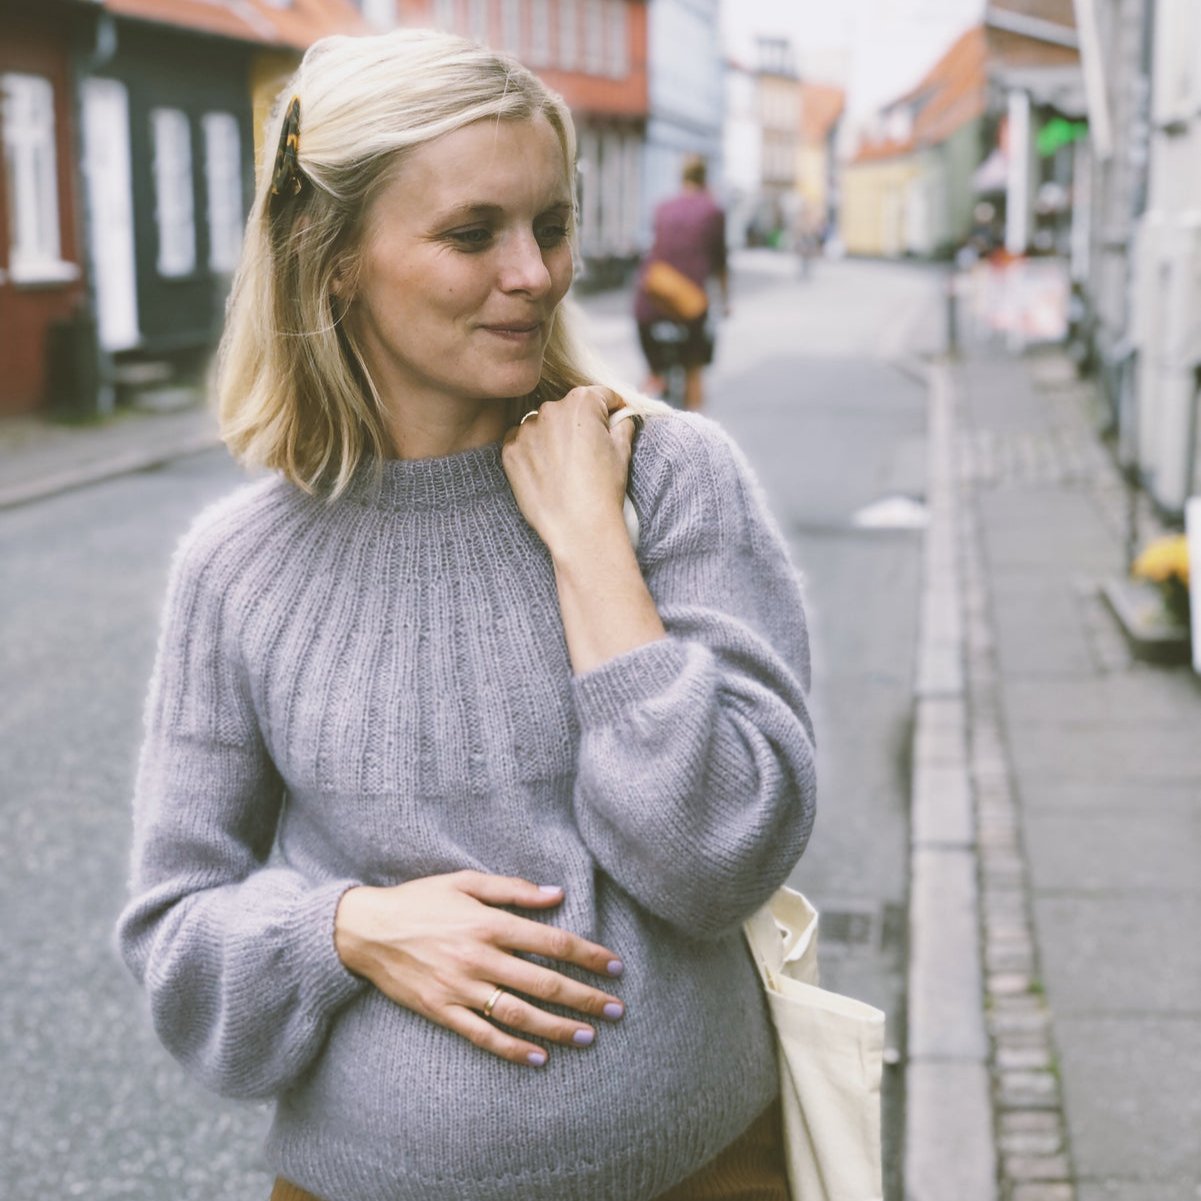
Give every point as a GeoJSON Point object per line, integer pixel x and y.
{"type": "Point", "coordinates": [780, 933]}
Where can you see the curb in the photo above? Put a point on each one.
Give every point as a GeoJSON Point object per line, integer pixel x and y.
{"type": "Point", "coordinates": [950, 1151]}
{"type": "Point", "coordinates": [86, 474]}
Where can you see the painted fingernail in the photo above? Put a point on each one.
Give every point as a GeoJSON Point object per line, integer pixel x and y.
{"type": "Point", "coordinates": [615, 967]}
{"type": "Point", "coordinates": [536, 1059]}
{"type": "Point", "coordinates": [550, 888]}
{"type": "Point", "coordinates": [613, 1010]}
{"type": "Point", "coordinates": [583, 1038]}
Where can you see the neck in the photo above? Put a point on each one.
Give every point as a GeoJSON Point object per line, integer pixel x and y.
{"type": "Point", "coordinates": [419, 432]}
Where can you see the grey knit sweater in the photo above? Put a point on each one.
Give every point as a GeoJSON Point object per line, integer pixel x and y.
{"type": "Point", "coordinates": [377, 689]}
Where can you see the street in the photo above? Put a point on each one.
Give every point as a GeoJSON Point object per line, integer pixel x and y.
{"type": "Point", "coordinates": [811, 380]}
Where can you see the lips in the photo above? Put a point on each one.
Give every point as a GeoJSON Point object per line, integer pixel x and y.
{"type": "Point", "coordinates": [515, 327]}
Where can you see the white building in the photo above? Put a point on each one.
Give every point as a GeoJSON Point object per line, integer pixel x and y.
{"type": "Point", "coordinates": [686, 101]}
{"type": "Point", "coordinates": [1143, 58]}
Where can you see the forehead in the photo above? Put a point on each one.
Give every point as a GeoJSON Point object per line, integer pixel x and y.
{"type": "Point", "coordinates": [509, 163]}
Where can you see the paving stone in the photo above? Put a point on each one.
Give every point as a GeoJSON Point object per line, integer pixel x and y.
{"type": "Point", "coordinates": [1003, 958]}
{"type": "Point", "coordinates": [1027, 1143]}
{"type": "Point", "coordinates": [1031, 1057]}
{"type": "Point", "coordinates": [1152, 694]}
{"type": "Point", "coordinates": [1000, 984]}
{"type": "Point", "coordinates": [1061, 1191]}
{"type": "Point", "coordinates": [1178, 1189]}
{"type": "Point", "coordinates": [1039, 1085]}
{"type": "Point", "coordinates": [1120, 953]}
{"type": "Point", "coordinates": [1132, 1097]}
{"type": "Point", "coordinates": [1169, 751]}
{"type": "Point", "coordinates": [1030, 1121]}
{"type": "Point", "coordinates": [1088, 851]}
{"type": "Point", "coordinates": [949, 1133]}
{"type": "Point", "coordinates": [1036, 1167]}
{"type": "Point", "coordinates": [945, 1003]}
{"type": "Point", "coordinates": [942, 805]}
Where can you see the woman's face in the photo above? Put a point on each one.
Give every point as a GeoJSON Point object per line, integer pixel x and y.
{"type": "Point", "coordinates": [464, 259]}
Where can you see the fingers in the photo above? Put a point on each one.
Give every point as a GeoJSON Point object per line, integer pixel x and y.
{"type": "Point", "coordinates": [514, 933]}
{"type": "Point", "coordinates": [509, 1009]}
{"type": "Point", "coordinates": [507, 890]}
{"type": "Point", "coordinates": [546, 987]}
{"type": "Point", "coordinates": [488, 1037]}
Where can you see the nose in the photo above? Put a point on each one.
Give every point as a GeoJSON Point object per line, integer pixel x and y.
{"type": "Point", "coordinates": [523, 268]}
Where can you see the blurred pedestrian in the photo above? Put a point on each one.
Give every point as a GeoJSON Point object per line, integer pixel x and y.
{"type": "Point", "coordinates": [447, 816]}
{"type": "Point", "coordinates": [689, 236]}
{"type": "Point", "coordinates": [806, 237]}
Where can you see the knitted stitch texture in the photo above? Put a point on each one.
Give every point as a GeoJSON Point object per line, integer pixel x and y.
{"type": "Point", "coordinates": [378, 689]}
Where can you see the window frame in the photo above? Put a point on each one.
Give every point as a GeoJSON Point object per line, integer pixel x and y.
{"type": "Point", "coordinates": [224, 198]}
{"type": "Point", "coordinates": [173, 173]}
{"type": "Point", "coordinates": [30, 135]}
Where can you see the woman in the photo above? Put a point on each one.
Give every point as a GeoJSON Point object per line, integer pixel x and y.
{"type": "Point", "coordinates": [450, 807]}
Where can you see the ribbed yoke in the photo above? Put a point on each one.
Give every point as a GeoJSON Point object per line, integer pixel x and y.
{"type": "Point", "coordinates": [376, 689]}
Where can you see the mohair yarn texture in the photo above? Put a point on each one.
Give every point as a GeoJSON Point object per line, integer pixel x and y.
{"type": "Point", "coordinates": [377, 689]}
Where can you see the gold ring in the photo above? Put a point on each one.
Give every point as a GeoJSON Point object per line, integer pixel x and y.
{"type": "Point", "coordinates": [531, 413]}
{"type": "Point", "coordinates": [490, 1003]}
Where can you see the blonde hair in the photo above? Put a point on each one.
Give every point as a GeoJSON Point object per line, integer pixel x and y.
{"type": "Point", "coordinates": [293, 391]}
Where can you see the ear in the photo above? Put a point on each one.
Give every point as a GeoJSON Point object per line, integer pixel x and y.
{"type": "Point", "coordinates": [342, 286]}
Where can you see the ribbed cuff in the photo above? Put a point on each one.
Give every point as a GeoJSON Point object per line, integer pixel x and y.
{"type": "Point", "coordinates": [328, 984]}
{"type": "Point", "coordinates": [605, 694]}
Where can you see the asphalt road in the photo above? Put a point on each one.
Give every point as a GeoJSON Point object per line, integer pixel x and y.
{"type": "Point", "coordinates": [807, 382]}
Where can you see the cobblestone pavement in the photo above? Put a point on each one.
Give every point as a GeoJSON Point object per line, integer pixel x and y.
{"type": "Point", "coordinates": [1085, 773]}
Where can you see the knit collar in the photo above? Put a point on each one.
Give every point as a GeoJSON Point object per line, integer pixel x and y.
{"type": "Point", "coordinates": [448, 482]}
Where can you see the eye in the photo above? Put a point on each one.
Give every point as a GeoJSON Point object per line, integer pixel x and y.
{"type": "Point", "coordinates": [551, 234]}
{"type": "Point", "coordinates": [477, 238]}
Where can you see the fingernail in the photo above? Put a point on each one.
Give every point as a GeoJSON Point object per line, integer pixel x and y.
{"type": "Point", "coordinates": [550, 888]}
{"type": "Point", "coordinates": [583, 1038]}
{"type": "Point", "coordinates": [613, 1010]}
{"type": "Point", "coordinates": [615, 967]}
{"type": "Point", "coordinates": [536, 1058]}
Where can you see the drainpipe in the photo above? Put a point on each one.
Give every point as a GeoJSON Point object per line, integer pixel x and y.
{"type": "Point", "coordinates": [1017, 195]}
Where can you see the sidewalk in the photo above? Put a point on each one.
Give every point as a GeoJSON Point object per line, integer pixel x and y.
{"type": "Point", "coordinates": [40, 458]}
{"type": "Point", "coordinates": [1079, 801]}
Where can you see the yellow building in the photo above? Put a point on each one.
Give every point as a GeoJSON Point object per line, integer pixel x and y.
{"type": "Point", "coordinates": [908, 189]}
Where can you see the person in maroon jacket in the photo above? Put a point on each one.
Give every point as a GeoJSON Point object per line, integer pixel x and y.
{"type": "Point", "coordinates": [690, 234]}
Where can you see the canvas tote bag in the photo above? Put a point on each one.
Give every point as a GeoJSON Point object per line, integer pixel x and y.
{"type": "Point", "coordinates": [831, 1054]}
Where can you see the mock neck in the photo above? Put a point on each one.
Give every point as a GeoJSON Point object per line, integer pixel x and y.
{"type": "Point", "coordinates": [423, 485]}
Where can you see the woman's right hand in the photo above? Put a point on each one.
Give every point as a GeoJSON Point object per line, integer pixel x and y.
{"type": "Point", "coordinates": [440, 947]}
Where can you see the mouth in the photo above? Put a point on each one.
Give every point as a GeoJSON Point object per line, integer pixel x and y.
{"type": "Point", "coordinates": [515, 331]}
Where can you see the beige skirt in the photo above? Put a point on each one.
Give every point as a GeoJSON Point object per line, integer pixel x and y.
{"type": "Point", "coordinates": [751, 1168]}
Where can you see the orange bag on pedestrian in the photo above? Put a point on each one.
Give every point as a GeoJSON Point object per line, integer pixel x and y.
{"type": "Point", "coordinates": [674, 292]}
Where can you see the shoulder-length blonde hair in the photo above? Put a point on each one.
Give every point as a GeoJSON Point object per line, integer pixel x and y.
{"type": "Point", "coordinates": [293, 390]}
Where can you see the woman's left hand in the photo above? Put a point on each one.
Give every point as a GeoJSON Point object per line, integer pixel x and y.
{"type": "Point", "coordinates": [568, 470]}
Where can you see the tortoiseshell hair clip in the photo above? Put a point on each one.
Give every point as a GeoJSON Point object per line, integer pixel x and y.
{"type": "Point", "coordinates": [287, 178]}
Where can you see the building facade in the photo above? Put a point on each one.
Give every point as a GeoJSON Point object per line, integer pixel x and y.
{"type": "Point", "coordinates": [42, 276]}
{"type": "Point", "coordinates": [686, 101]}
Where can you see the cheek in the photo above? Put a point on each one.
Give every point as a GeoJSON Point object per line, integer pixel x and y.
{"type": "Point", "coordinates": [561, 266]}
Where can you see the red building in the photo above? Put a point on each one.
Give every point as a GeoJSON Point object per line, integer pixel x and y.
{"type": "Point", "coordinates": [41, 274]}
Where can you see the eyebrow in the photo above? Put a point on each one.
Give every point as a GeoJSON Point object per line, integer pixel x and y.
{"type": "Point", "coordinates": [468, 211]}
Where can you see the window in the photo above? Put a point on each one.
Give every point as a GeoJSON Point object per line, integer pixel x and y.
{"type": "Point", "coordinates": [445, 17]}
{"type": "Point", "coordinates": [594, 36]}
{"type": "Point", "coordinates": [173, 209]}
{"type": "Point", "coordinates": [477, 20]}
{"type": "Point", "coordinates": [223, 184]}
{"type": "Point", "coordinates": [380, 13]}
{"type": "Point", "coordinates": [28, 123]}
{"type": "Point", "coordinates": [510, 26]}
{"type": "Point", "coordinates": [617, 61]}
{"type": "Point", "coordinates": [569, 33]}
{"type": "Point", "coordinates": [539, 54]}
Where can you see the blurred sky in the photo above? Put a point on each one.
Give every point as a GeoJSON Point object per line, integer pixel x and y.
{"type": "Point", "coordinates": [891, 43]}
